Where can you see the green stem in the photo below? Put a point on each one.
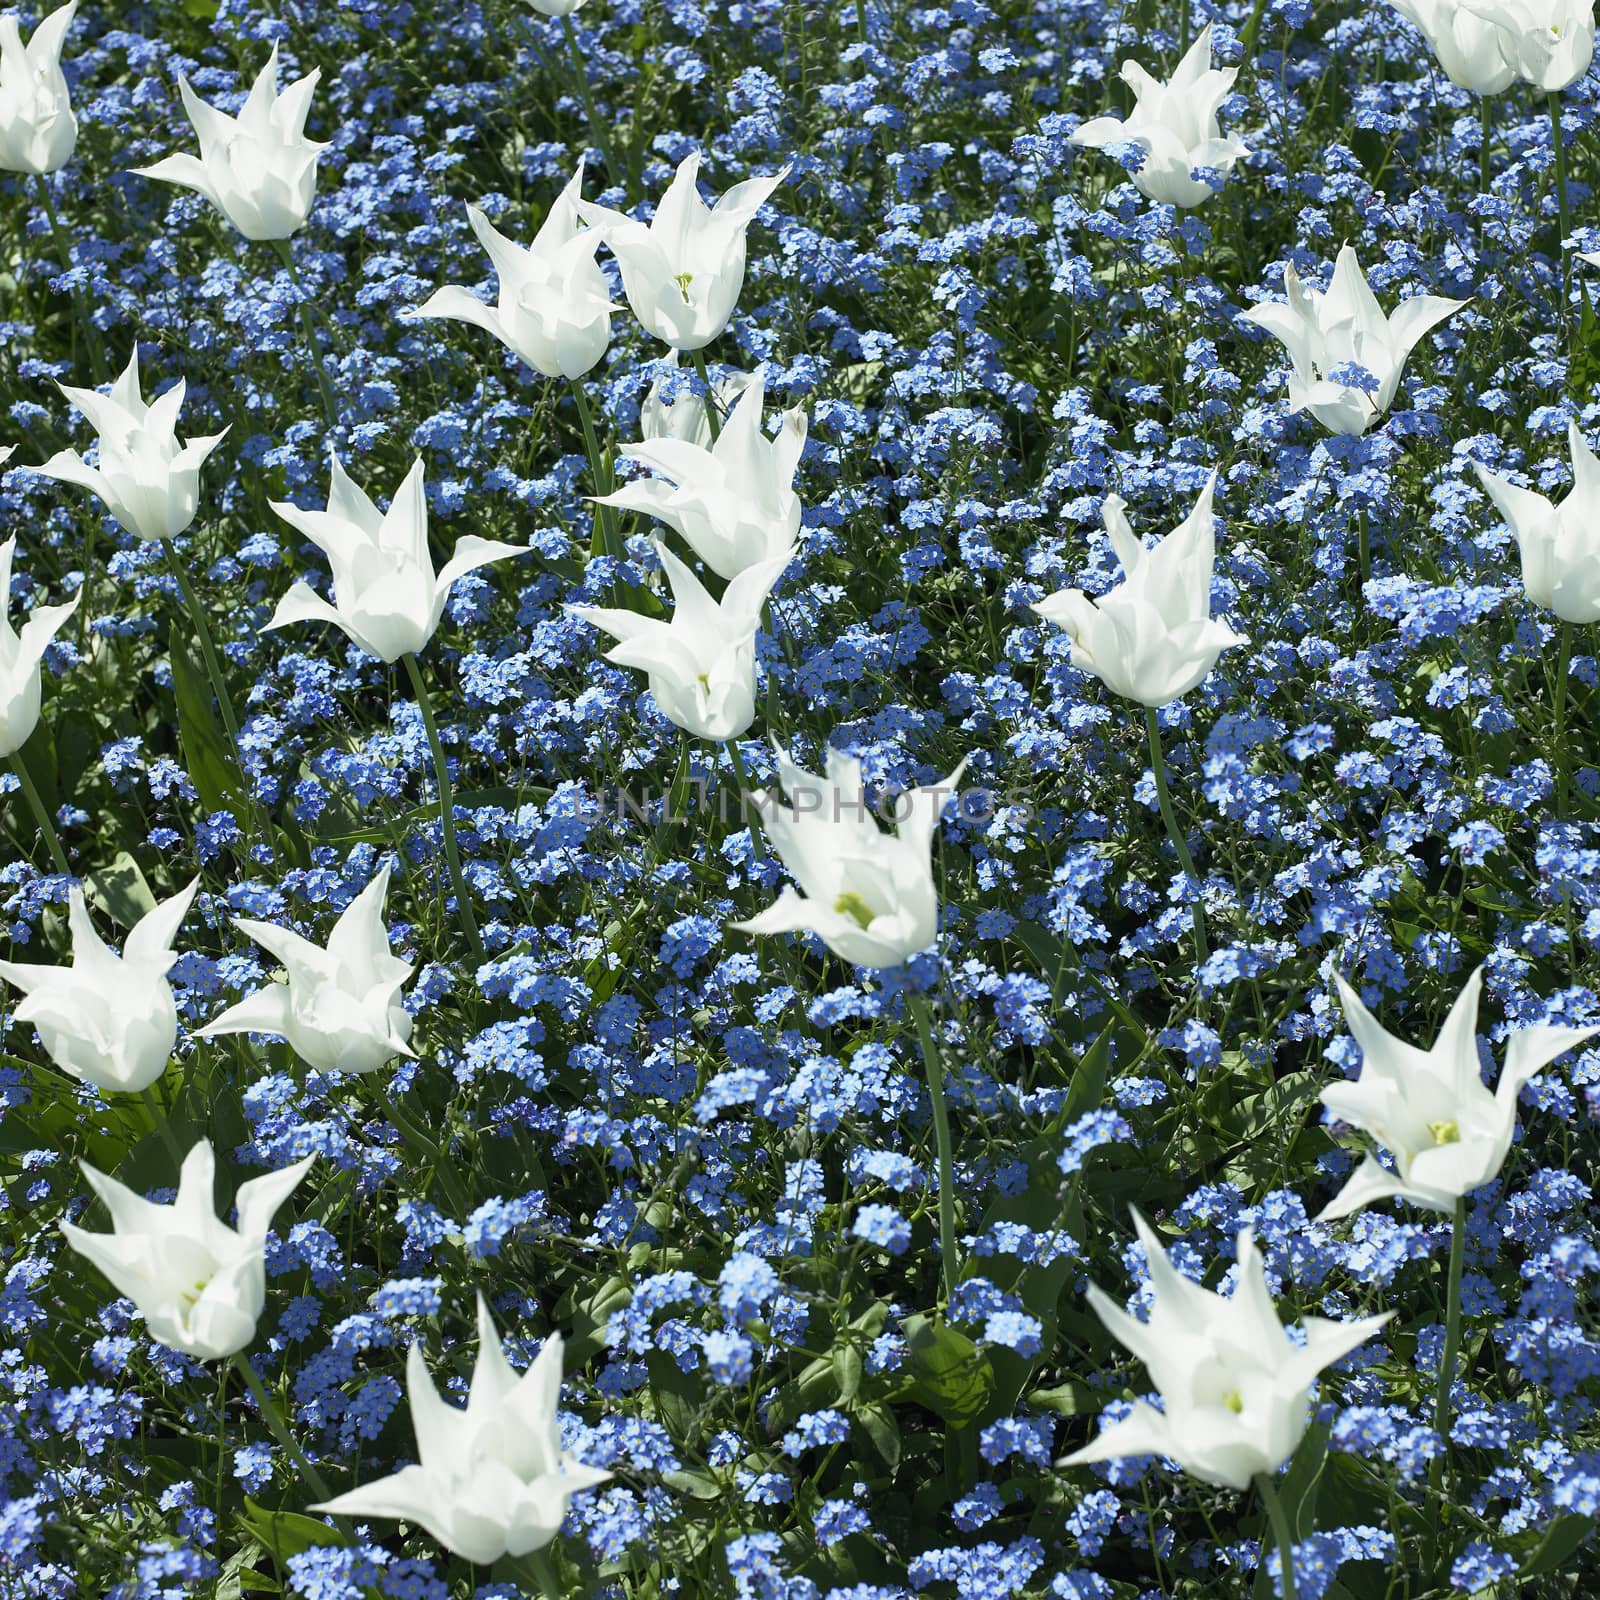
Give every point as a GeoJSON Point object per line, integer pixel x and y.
{"type": "Point", "coordinates": [1562, 755]}
{"type": "Point", "coordinates": [274, 1420]}
{"type": "Point", "coordinates": [1363, 546]}
{"type": "Point", "coordinates": [1485, 141]}
{"type": "Point", "coordinates": [208, 653]}
{"type": "Point", "coordinates": [1252, 31]}
{"type": "Point", "coordinates": [308, 330]}
{"type": "Point", "coordinates": [447, 818]}
{"type": "Point", "coordinates": [1180, 844]}
{"type": "Point", "coordinates": [933, 1066]}
{"type": "Point", "coordinates": [543, 1572]}
{"type": "Point", "coordinates": [713, 420]}
{"type": "Point", "coordinates": [758, 845]}
{"type": "Point", "coordinates": [163, 1126]}
{"type": "Point", "coordinates": [1562, 210]}
{"type": "Point", "coordinates": [608, 538]}
{"type": "Point", "coordinates": [431, 1149]}
{"type": "Point", "coordinates": [96, 359]}
{"type": "Point", "coordinates": [1183, 24]}
{"type": "Point", "coordinates": [1452, 1346]}
{"type": "Point", "coordinates": [1280, 1531]}
{"type": "Point", "coordinates": [597, 131]}
{"type": "Point", "coordinates": [41, 817]}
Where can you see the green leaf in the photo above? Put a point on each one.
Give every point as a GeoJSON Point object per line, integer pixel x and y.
{"type": "Point", "coordinates": [286, 1533]}
{"type": "Point", "coordinates": [206, 757]}
{"type": "Point", "coordinates": [948, 1372]}
{"type": "Point", "coordinates": [1560, 1543]}
{"type": "Point", "coordinates": [120, 890]}
{"type": "Point", "coordinates": [1089, 1081]}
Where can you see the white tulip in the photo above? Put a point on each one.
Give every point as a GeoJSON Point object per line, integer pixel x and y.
{"type": "Point", "coordinates": [1152, 638]}
{"type": "Point", "coordinates": [148, 481]}
{"type": "Point", "coordinates": [1475, 54]}
{"type": "Point", "coordinates": [555, 8]}
{"type": "Point", "coordinates": [340, 1009]}
{"type": "Point", "coordinates": [21, 655]}
{"type": "Point", "coordinates": [258, 169]}
{"type": "Point", "coordinates": [386, 597]}
{"type": "Point", "coordinates": [1429, 1108]}
{"type": "Point", "coordinates": [1175, 124]}
{"type": "Point", "coordinates": [1549, 43]}
{"type": "Point", "coordinates": [1235, 1388]}
{"type": "Point", "coordinates": [702, 663]}
{"type": "Point", "coordinates": [734, 503]}
{"type": "Point", "coordinates": [554, 309]}
{"type": "Point", "coordinates": [683, 272]}
{"type": "Point", "coordinates": [1328, 333]}
{"type": "Point", "coordinates": [108, 1020]}
{"type": "Point", "coordinates": [493, 1478]}
{"type": "Point", "coordinates": [38, 131]}
{"type": "Point", "coordinates": [1560, 545]}
{"type": "Point", "coordinates": [867, 894]}
{"type": "Point", "coordinates": [199, 1284]}
{"type": "Point", "coordinates": [684, 417]}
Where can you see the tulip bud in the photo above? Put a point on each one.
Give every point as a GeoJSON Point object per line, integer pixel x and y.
{"type": "Point", "coordinates": [38, 131]}
{"type": "Point", "coordinates": [108, 1020]}
{"type": "Point", "coordinates": [148, 482]}
{"type": "Point", "coordinates": [258, 169]}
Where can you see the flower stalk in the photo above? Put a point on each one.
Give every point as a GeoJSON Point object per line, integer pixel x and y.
{"type": "Point", "coordinates": [933, 1067]}
{"type": "Point", "coordinates": [447, 820]}
{"type": "Point", "coordinates": [1180, 844]}
{"type": "Point", "coordinates": [1280, 1532]}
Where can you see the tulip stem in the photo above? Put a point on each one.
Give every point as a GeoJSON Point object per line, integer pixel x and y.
{"type": "Point", "coordinates": [758, 845]}
{"type": "Point", "coordinates": [96, 360]}
{"type": "Point", "coordinates": [274, 1420]}
{"type": "Point", "coordinates": [447, 808]}
{"type": "Point", "coordinates": [543, 1574]}
{"type": "Point", "coordinates": [1563, 212]}
{"type": "Point", "coordinates": [47, 829]}
{"type": "Point", "coordinates": [605, 516]}
{"type": "Point", "coordinates": [429, 1147]}
{"type": "Point", "coordinates": [1485, 142]}
{"type": "Point", "coordinates": [1180, 844]}
{"type": "Point", "coordinates": [933, 1066]}
{"type": "Point", "coordinates": [713, 421]}
{"type": "Point", "coordinates": [163, 1126]}
{"type": "Point", "coordinates": [1562, 755]}
{"type": "Point", "coordinates": [1280, 1532]}
{"type": "Point", "coordinates": [596, 126]}
{"type": "Point", "coordinates": [285, 253]}
{"type": "Point", "coordinates": [208, 651]}
{"type": "Point", "coordinates": [1452, 1345]}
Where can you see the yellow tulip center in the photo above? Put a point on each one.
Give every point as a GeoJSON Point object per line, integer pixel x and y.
{"type": "Point", "coordinates": [851, 905]}
{"type": "Point", "coordinates": [191, 1297]}
{"type": "Point", "coordinates": [683, 280]}
{"type": "Point", "coordinates": [1445, 1132]}
{"type": "Point", "coordinates": [1234, 1401]}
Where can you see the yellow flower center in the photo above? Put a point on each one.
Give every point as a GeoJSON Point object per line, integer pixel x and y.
{"type": "Point", "coordinates": [1445, 1132]}
{"type": "Point", "coordinates": [683, 280]}
{"type": "Point", "coordinates": [851, 905]}
{"type": "Point", "coordinates": [191, 1297]}
{"type": "Point", "coordinates": [1234, 1401]}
